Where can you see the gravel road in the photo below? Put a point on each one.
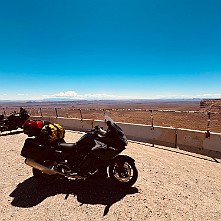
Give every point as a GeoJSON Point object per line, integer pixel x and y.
{"type": "Point", "coordinates": [172, 185]}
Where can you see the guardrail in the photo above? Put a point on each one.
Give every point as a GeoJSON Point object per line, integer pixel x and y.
{"type": "Point", "coordinates": [196, 131]}
{"type": "Point", "coordinates": [190, 140]}
{"type": "Point", "coordinates": [194, 120]}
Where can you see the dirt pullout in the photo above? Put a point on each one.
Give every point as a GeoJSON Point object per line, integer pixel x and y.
{"type": "Point", "coordinates": [172, 185]}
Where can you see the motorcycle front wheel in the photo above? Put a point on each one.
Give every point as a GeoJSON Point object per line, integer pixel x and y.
{"type": "Point", "coordinates": [123, 174]}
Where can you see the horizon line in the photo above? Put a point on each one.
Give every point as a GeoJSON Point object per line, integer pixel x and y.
{"type": "Point", "coordinates": [122, 99]}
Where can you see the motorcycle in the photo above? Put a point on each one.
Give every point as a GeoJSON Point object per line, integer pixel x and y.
{"type": "Point", "coordinates": [97, 151]}
{"type": "Point", "coordinates": [13, 121]}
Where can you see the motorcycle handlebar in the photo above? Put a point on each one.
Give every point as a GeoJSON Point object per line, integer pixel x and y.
{"type": "Point", "coordinates": [99, 131]}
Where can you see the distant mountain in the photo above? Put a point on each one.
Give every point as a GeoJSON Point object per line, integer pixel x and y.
{"type": "Point", "coordinates": [211, 104]}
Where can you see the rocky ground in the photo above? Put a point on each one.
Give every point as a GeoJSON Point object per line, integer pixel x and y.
{"type": "Point", "coordinates": [172, 185]}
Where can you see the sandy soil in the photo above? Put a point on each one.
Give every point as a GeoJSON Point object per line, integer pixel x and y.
{"type": "Point", "coordinates": [172, 185]}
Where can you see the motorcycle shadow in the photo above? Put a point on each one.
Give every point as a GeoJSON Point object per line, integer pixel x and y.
{"type": "Point", "coordinates": [91, 191]}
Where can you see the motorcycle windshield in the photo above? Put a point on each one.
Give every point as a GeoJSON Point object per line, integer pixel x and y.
{"type": "Point", "coordinates": [116, 128]}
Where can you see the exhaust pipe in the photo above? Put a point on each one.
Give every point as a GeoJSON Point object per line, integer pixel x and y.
{"type": "Point", "coordinates": [40, 167]}
{"type": "Point", "coordinates": [47, 170]}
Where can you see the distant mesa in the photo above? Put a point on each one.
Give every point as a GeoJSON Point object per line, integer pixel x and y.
{"type": "Point", "coordinates": [211, 104]}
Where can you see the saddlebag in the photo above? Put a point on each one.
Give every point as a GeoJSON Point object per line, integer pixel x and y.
{"type": "Point", "coordinates": [36, 150]}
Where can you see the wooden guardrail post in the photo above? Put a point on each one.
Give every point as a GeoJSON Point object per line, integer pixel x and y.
{"type": "Point", "coordinates": [41, 112]}
{"type": "Point", "coordinates": [81, 114]}
{"type": "Point", "coordinates": [151, 117]}
{"type": "Point", "coordinates": [208, 125]}
{"type": "Point", "coordinates": [56, 112]}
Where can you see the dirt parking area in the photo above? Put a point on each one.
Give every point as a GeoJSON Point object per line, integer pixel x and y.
{"type": "Point", "coordinates": [172, 185]}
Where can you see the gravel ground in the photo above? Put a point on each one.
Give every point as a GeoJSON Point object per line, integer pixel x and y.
{"type": "Point", "coordinates": [172, 185]}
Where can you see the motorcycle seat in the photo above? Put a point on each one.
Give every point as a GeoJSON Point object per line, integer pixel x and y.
{"type": "Point", "coordinates": [67, 147]}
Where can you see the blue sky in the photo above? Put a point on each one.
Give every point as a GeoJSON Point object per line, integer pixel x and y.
{"type": "Point", "coordinates": [110, 49]}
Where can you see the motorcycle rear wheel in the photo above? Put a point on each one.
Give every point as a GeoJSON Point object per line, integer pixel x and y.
{"type": "Point", "coordinates": [123, 175]}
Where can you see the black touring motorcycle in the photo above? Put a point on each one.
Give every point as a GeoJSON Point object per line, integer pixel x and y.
{"type": "Point", "coordinates": [96, 151]}
{"type": "Point", "coordinates": [13, 121]}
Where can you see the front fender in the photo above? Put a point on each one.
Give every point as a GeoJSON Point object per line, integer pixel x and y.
{"type": "Point", "coordinates": [123, 158]}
